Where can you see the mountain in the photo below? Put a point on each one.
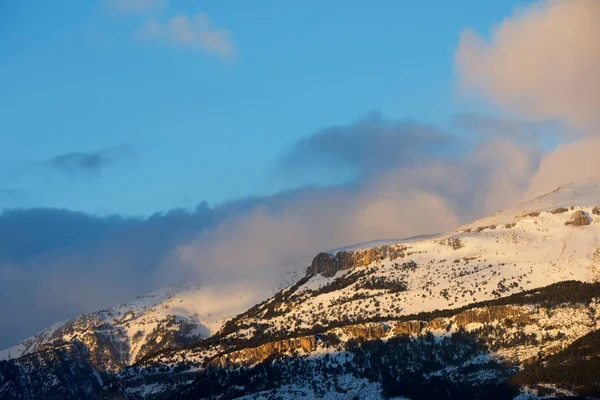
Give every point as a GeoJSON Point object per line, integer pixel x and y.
{"type": "Point", "coordinates": [503, 307]}
{"type": "Point", "coordinates": [164, 318]}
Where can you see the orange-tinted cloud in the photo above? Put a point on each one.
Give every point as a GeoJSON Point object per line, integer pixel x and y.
{"type": "Point", "coordinates": [542, 62]}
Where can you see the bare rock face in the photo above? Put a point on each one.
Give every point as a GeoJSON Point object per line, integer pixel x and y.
{"type": "Point", "coordinates": [491, 314]}
{"type": "Point", "coordinates": [483, 316]}
{"type": "Point", "coordinates": [250, 356]}
{"type": "Point", "coordinates": [596, 210]}
{"type": "Point", "coordinates": [324, 264]}
{"type": "Point", "coordinates": [366, 331]}
{"type": "Point", "coordinates": [578, 219]}
{"type": "Point", "coordinates": [559, 210]}
{"type": "Point", "coordinates": [526, 214]}
{"type": "Point", "coordinates": [410, 327]}
{"type": "Point", "coordinates": [328, 264]}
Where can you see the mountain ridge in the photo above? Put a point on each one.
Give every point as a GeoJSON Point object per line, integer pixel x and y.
{"type": "Point", "coordinates": [464, 278]}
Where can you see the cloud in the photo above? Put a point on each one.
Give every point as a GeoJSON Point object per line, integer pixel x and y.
{"type": "Point", "coordinates": [542, 62]}
{"type": "Point", "coordinates": [88, 163]}
{"type": "Point", "coordinates": [569, 162]}
{"type": "Point", "coordinates": [196, 32]}
{"type": "Point", "coordinates": [57, 263]}
{"type": "Point", "coordinates": [487, 126]}
{"type": "Point", "coordinates": [136, 6]}
{"type": "Point", "coordinates": [369, 145]}
{"type": "Point", "coordinates": [279, 232]}
{"type": "Point", "coordinates": [393, 198]}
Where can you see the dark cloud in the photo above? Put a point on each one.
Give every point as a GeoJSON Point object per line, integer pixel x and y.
{"type": "Point", "coordinates": [369, 145]}
{"type": "Point", "coordinates": [57, 263]}
{"type": "Point", "coordinates": [88, 163]}
{"type": "Point", "coordinates": [26, 233]}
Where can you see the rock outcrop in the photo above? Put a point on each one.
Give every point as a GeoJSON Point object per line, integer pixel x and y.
{"type": "Point", "coordinates": [411, 327]}
{"type": "Point", "coordinates": [559, 210]}
{"type": "Point", "coordinates": [328, 264]}
{"type": "Point", "coordinates": [480, 315]}
{"type": "Point", "coordinates": [526, 214]}
{"type": "Point", "coordinates": [324, 264]}
{"type": "Point", "coordinates": [371, 331]}
{"type": "Point", "coordinates": [366, 331]}
{"type": "Point", "coordinates": [250, 356]}
{"type": "Point", "coordinates": [579, 218]}
{"type": "Point", "coordinates": [491, 314]}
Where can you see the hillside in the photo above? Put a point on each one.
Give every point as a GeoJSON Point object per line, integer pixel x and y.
{"type": "Point", "coordinates": [119, 335]}
{"type": "Point", "coordinates": [468, 314]}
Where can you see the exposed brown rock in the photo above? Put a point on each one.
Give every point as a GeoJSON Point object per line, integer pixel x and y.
{"type": "Point", "coordinates": [438, 323]}
{"type": "Point", "coordinates": [559, 210]}
{"type": "Point", "coordinates": [323, 264]}
{"type": "Point", "coordinates": [482, 228]}
{"type": "Point", "coordinates": [255, 355]}
{"type": "Point", "coordinates": [346, 260]}
{"type": "Point", "coordinates": [484, 316]}
{"type": "Point", "coordinates": [596, 210]}
{"type": "Point", "coordinates": [366, 331]}
{"type": "Point", "coordinates": [579, 218]}
{"type": "Point", "coordinates": [370, 256]}
{"type": "Point", "coordinates": [528, 214]}
{"type": "Point", "coordinates": [372, 331]}
{"type": "Point", "coordinates": [328, 264]}
{"type": "Point", "coordinates": [490, 314]}
{"type": "Point", "coordinates": [410, 327]}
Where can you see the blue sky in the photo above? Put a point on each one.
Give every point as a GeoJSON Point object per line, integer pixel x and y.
{"type": "Point", "coordinates": [98, 117]}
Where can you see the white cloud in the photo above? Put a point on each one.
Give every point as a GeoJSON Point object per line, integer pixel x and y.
{"type": "Point", "coordinates": [542, 62]}
{"type": "Point", "coordinates": [569, 162]}
{"type": "Point", "coordinates": [193, 32]}
{"type": "Point", "coordinates": [255, 247]}
{"type": "Point", "coordinates": [433, 196]}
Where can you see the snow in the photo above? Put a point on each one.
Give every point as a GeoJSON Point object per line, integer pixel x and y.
{"type": "Point", "coordinates": [377, 243]}
{"type": "Point", "coordinates": [206, 308]}
{"type": "Point", "coordinates": [353, 388]}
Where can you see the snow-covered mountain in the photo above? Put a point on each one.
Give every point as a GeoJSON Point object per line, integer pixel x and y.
{"type": "Point", "coordinates": [486, 310]}
{"type": "Point", "coordinates": [163, 318]}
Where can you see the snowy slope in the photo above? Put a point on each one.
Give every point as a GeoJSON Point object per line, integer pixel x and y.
{"type": "Point", "coordinates": [585, 194]}
{"type": "Point", "coordinates": [201, 310]}
{"type": "Point", "coordinates": [521, 248]}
